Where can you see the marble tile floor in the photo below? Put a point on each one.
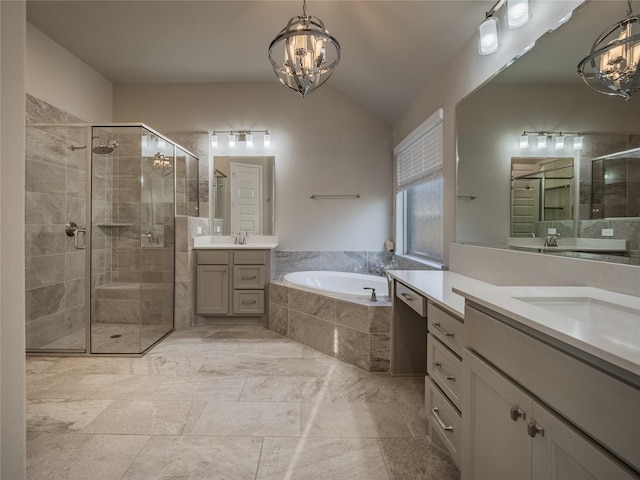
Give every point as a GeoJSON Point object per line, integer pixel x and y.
{"type": "Point", "coordinates": [225, 402]}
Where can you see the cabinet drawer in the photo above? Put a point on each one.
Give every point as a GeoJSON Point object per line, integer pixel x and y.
{"type": "Point", "coordinates": [412, 298]}
{"type": "Point", "coordinates": [250, 257]}
{"type": "Point", "coordinates": [445, 369]}
{"type": "Point", "coordinates": [602, 406]}
{"type": "Point", "coordinates": [248, 276]}
{"type": "Point", "coordinates": [446, 328]}
{"type": "Point", "coordinates": [213, 257]}
{"type": "Point", "coordinates": [248, 302]}
{"type": "Point", "coordinates": [444, 421]}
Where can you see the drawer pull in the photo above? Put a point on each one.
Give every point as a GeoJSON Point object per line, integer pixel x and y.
{"type": "Point", "coordinates": [436, 415]}
{"type": "Point", "coordinates": [444, 373]}
{"type": "Point", "coordinates": [446, 333]}
{"type": "Point", "coordinates": [407, 297]}
{"type": "Point", "coordinates": [533, 429]}
{"type": "Point", "coordinates": [516, 413]}
{"type": "Point", "coordinates": [248, 302]}
{"type": "Point", "coordinates": [249, 277]}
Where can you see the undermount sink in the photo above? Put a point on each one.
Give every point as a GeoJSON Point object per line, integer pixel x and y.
{"type": "Point", "coordinates": [585, 309]}
{"type": "Point", "coordinates": [570, 244]}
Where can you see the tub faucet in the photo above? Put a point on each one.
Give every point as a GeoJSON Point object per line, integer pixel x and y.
{"type": "Point", "coordinates": [372, 298]}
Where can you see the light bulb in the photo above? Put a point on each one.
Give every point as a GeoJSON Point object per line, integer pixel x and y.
{"type": "Point", "coordinates": [249, 138]}
{"type": "Point", "coordinates": [577, 143]}
{"type": "Point", "coordinates": [489, 41]}
{"type": "Point", "coordinates": [518, 13]}
{"type": "Point", "coordinates": [214, 141]}
{"type": "Point", "coordinates": [267, 140]}
{"type": "Point", "coordinates": [542, 141]}
{"type": "Point", "coordinates": [524, 141]}
{"type": "Point", "coordinates": [232, 140]}
{"type": "Point", "coordinates": [560, 142]}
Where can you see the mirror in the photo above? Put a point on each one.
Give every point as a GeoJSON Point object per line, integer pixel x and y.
{"type": "Point", "coordinates": [243, 195]}
{"type": "Point", "coordinates": [187, 185]}
{"type": "Point", "coordinates": [541, 92]}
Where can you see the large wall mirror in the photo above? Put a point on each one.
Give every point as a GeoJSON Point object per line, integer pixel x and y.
{"type": "Point", "coordinates": [243, 195]}
{"type": "Point", "coordinates": [507, 189]}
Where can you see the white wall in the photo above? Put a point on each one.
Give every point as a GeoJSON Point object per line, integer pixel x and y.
{"type": "Point", "coordinates": [61, 79]}
{"type": "Point", "coordinates": [466, 72]}
{"type": "Point", "coordinates": [324, 144]}
{"type": "Point", "coordinates": [12, 294]}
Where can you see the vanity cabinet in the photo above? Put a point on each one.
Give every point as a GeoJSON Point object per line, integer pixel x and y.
{"type": "Point", "coordinates": [232, 282]}
{"type": "Point", "coordinates": [535, 412]}
{"type": "Point", "coordinates": [427, 340]}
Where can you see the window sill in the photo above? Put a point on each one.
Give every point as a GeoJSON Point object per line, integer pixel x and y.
{"type": "Point", "coordinates": [427, 263]}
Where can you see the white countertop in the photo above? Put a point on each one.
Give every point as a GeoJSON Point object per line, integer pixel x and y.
{"type": "Point", "coordinates": [226, 242]}
{"type": "Point", "coordinates": [615, 339]}
{"type": "Point", "coordinates": [436, 285]}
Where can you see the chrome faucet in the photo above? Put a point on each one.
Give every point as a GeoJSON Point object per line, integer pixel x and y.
{"type": "Point", "coordinates": [552, 240]}
{"type": "Point", "coordinates": [241, 238]}
{"type": "Point", "coordinates": [372, 298]}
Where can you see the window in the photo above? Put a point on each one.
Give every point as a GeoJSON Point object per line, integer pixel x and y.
{"type": "Point", "coordinates": [419, 186]}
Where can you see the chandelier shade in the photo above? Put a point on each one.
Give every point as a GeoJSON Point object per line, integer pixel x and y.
{"type": "Point", "coordinates": [612, 65]}
{"type": "Point", "coordinates": [304, 54]}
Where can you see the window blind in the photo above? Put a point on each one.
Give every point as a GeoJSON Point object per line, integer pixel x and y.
{"type": "Point", "coordinates": [419, 156]}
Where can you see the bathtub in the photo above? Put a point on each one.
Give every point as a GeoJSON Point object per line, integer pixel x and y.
{"type": "Point", "coordinates": [342, 284]}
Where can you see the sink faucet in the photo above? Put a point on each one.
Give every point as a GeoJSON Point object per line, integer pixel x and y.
{"type": "Point", "coordinates": [241, 238]}
{"type": "Point", "coordinates": [552, 240]}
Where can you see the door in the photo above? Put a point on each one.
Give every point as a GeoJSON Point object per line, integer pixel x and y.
{"type": "Point", "coordinates": [212, 289]}
{"type": "Point", "coordinates": [559, 452]}
{"type": "Point", "coordinates": [246, 198]}
{"type": "Point", "coordinates": [498, 447]}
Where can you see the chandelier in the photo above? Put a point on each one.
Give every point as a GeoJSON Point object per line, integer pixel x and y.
{"type": "Point", "coordinates": [308, 52]}
{"type": "Point", "coordinates": [162, 164]}
{"type": "Point", "coordinates": [612, 65]}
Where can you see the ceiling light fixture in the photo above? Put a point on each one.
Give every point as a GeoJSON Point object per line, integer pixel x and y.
{"type": "Point", "coordinates": [612, 65]}
{"type": "Point", "coordinates": [308, 51]}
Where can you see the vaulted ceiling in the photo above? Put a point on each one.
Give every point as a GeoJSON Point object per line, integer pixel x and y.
{"type": "Point", "coordinates": [390, 49]}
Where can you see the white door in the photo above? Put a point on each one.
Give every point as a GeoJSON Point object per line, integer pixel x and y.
{"type": "Point", "coordinates": [246, 198]}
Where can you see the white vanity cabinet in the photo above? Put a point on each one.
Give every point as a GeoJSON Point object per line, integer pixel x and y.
{"type": "Point", "coordinates": [535, 412]}
{"type": "Point", "coordinates": [232, 282]}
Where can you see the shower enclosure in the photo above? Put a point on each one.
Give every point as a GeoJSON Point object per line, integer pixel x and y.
{"type": "Point", "coordinates": [101, 207]}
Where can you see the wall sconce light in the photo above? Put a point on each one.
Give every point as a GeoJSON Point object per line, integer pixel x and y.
{"type": "Point", "coordinates": [542, 141]}
{"type": "Point", "coordinates": [559, 139]}
{"type": "Point", "coordinates": [518, 13]}
{"type": "Point", "coordinates": [240, 136]}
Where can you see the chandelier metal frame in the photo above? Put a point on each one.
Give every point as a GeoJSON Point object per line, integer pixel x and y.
{"type": "Point", "coordinates": [297, 72]}
{"type": "Point", "coordinates": [607, 68]}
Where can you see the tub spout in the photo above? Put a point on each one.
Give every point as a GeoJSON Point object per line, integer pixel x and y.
{"type": "Point", "coordinates": [372, 298]}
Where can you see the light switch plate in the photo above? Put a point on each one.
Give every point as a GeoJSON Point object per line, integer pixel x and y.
{"type": "Point", "coordinates": [551, 231]}
{"type": "Point", "coordinates": [607, 232]}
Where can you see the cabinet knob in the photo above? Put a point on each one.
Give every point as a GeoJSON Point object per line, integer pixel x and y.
{"type": "Point", "coordinates": [533, 429]}
{"type": "Point", "coordinates": [516, 413]}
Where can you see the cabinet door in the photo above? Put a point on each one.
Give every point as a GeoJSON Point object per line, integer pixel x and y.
{"type": "Point", "coordinates": [212, 289]}
{"type": "Point", "coordinates": [559, 452]}
{"type": "Point", "coordinates": [496, 440]}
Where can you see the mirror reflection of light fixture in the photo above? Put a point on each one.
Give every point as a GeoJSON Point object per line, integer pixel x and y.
{"type": "Point", "coordinates": [559, 139]}
{"type": "Point", "coordinates": [612, 65]}
{"type": "Point", "coordinates": [249, 138]}
{"type": "Point", "coordinates": [214, 140]}
{"type": "Point", "coordinates": [232, 140]}
{"type": "Point", "coordinates": [267, 140]}
{"type": "Point", "coordinates": [518, 13]}
{"type": "Point", "coordinates": [308, 51]}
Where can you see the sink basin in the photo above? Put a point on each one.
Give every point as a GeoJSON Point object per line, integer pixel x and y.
{"type": "Point", "coordinates": [585, 309]}
{"type": "Point", "coordinates": [227, 242]}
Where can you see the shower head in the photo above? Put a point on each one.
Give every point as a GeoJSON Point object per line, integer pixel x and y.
{"type": "Point", "coordinates": [103, 149]}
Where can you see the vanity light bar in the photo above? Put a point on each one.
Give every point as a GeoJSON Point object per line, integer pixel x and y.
{"type": "Point", "coordinates": [540, 139]}
{"type": "Point", "coordinates": [518, 13]}
{"type": "Point", "coordinates": [235, 136]}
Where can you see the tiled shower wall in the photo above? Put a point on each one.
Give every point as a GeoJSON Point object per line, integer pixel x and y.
{"type": "Point", "coordinates": [55, 194]}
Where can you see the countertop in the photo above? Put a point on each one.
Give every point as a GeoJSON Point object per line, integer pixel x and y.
{"type": "Point", "coordinates": [612, 338]}
{"type": "Point", "coordinates": [226, 242]}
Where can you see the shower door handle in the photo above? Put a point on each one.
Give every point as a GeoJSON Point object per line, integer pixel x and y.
{"type": "Point", "coordinates": [73, 230]}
